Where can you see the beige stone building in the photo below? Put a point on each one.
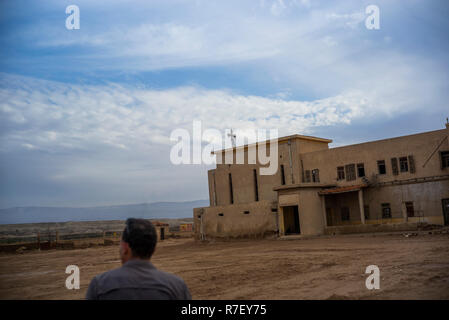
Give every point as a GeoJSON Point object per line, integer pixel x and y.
{"type": "Point", "coordinates": [380, 185]}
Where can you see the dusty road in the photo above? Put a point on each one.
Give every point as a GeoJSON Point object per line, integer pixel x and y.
{"type": "Point", "coordinates": [319, 268]}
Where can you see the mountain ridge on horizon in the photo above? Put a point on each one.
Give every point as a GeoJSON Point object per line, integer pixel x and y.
{"type": "Point", "coordinates": [149, 210]}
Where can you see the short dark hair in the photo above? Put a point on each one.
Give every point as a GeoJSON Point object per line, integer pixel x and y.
{"type": "Point", "coordinates": [141, 237]}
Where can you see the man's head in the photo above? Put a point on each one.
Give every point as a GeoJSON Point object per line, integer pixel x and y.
{"type": "Point", "coordinates": [138, 240]}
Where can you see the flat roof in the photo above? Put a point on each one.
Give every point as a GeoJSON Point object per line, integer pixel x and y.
{"type": "Point", "coordinates": [281, 139]}
{"type": "Point", "coordinates": [387, 139]}
{"type": "Point", "coordinates": [303, 185]}
{"type": "Point", "coordinates": [343, 189]}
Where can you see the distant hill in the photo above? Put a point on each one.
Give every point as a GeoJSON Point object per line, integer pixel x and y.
{"type": "Point", "coordinates": [155, 210]}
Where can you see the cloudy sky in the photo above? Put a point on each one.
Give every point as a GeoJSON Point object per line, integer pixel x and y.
{"type": "Point", "coordinates": [86, 115]}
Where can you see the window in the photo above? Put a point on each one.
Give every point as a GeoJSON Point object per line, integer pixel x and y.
{"type": "Point", "coordinates": [307, 175]}
{"type": "Point", "coordinates": [381, 167]}
{"type": "Point", "coordinates": [411, 163]}
{"type": "Point", "coordinates": [246, 212]}
{"type": "Point", "coordinates": [340, 173]}
{"type": "Point", "coordinates": [350, 172]}
{"type": "Point", "coordinates": [316, 175]}
{"type": "Point", "coordinates": [409, 208]}
{"type": "Point", "coordinates": [444, 156]}
{"type": "Point", "coordinates": [360, 170]}
{"type": "Point", "coordinates": [220, 214]}
{"type": "Point", "coordinates": [344, 214]}
{"type": "Point", "coordinates": [256, 186]}
{"type": "Point", "coordinates": [386, 211]}
{"type": "Point", "coordinates": [394, 166]}
{"type": "Point", "coordinates": [231, 192]}
{"type": "Point", "coordinates": [282, 175]}
{"type": "Point", "coordinates": [366, 210]}
{"type": "Point", "coordinates": [403, 164]}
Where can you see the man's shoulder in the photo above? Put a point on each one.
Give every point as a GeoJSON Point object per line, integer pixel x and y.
{"type": "Point", "coordinates": [108, 275]}
{"type": "Point", "coordinates": [169, 277]}
{"type": "Point", "coordinates": [140, 276]}
{"type": "Point", "coordinates": [176, 284]}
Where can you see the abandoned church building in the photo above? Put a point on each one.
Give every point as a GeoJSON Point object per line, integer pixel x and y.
{"type": "Point", "coordinates": [380, 185]}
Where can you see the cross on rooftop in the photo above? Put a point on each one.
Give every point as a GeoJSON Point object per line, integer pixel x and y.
{"type": "Point", "coordinates": [233, 136]}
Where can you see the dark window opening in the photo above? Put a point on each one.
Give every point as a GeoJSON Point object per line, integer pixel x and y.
{"type": "Point", "coordinates": [366, 211]}
{"type": "Point", "coordinates": [340, 173]}
{"type": "Point", "coordinates": [199, 217]}
{"type": "Point", "coordinates": [403, 164]}
{"type": "Point", "coordinates": [246, 212]}
{"type": "Point", "coordinates": [230, 189]}
{"type": "Point", "coordinates": [282, 175]}
{"type": "Point", "coordinates": [409, 208]}
{"type": "Point", "coordinates": [274, 210]}
{"type": "Point", "coordinates": [360, 170]}
{"type": "Point", "coordinates": [386, 211]}
{"type": "Point", "coordinates": [394, 166]}
{"type": "Point", "coordinates": [411, 163]}
{"type": "Point", "coordinates": [256, 186]}
{"type": "Point", "coordinates": [344, 214]}
{"type": "Point", "coordinates": [316, 175]}
{"type": "Point", "coordinates": [381, 167]}
{"type": "Point", "coordinates": [221, 214]}
{"type": "Point", "coordinates": [444, 156]}
{"type": "Point", "coordinates": [308, 176]}
{"type": "Point", "coordinates": [350, 172]}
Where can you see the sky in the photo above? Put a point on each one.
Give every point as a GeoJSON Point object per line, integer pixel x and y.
{"type": "Point", "coordinates": [86, 114]}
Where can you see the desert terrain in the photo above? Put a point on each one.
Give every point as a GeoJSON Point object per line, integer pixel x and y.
{"type": "Point", "coordinates": [328, 267]}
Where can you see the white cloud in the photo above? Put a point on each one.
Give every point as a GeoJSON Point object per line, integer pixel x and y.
{"type": "Point", "coordinates": [57, 116]}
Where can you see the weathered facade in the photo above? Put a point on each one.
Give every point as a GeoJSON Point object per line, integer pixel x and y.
{"type": "Point", "coordinates": [318, 189]}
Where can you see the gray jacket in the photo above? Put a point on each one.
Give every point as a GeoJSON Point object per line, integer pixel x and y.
{"type": "Point", "coordinates": [137, 280]}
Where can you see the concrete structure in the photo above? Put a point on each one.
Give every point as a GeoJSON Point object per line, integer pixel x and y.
{"type": "Point", "coordinates": [317, 189]}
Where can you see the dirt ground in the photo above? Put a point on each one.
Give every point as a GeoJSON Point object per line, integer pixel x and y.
{"type": "Point", "coordinates": [414, 267]}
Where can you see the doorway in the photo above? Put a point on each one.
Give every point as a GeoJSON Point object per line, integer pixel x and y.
{"type": "Point", "coordinates": [329, 217]}
{"type": "Point", "coordinates": [446, 211]}
{"type": "Point", "coordinates": [162, 233]}
{"type": "Point", "coordinates": [291, 220]}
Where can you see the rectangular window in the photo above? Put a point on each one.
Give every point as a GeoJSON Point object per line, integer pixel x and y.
{"type": "Point", "coordinates": [256, 186]}
{"type": "Point", "coordinates": [282, 175]}
{"type": "Point", "coordinates": [409, 208]}
{"type": "Point", "coordinates": [411, 163]}
{"type": "Point", "coordinates": [350, 172]}
{"type": "Point", "coordinates": [366, 210]}
{"type": "Point", "coordinates": [394, 166]}
{"type": "Point", "coordinates": [444, 157]}
{"type": "Point", "coordinates": [403, 164]}
{"type": "Point", "coordinates": [307, 175]}
{"type": "Point", "coordinates": [316, 175]}
{"type": "Point", "coordinates": [231, 191]}
{"type": "Point", "coordinates": [344, 214]}
{"type": "Point", "coordinates": [386, 211]}
{"type": "Point", "coordinates": [360, 170]}
{"type": "Point", "coordinates": [340, 173]}
{"type": "Point", "coordinates": [381, 167]}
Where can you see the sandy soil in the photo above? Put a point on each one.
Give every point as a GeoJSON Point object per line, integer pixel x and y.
{"type": "Point", "coordinates": [319, 268]}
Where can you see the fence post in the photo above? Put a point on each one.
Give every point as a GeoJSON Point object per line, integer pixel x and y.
{"type": "Point", "coordinates": [38, 240]}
